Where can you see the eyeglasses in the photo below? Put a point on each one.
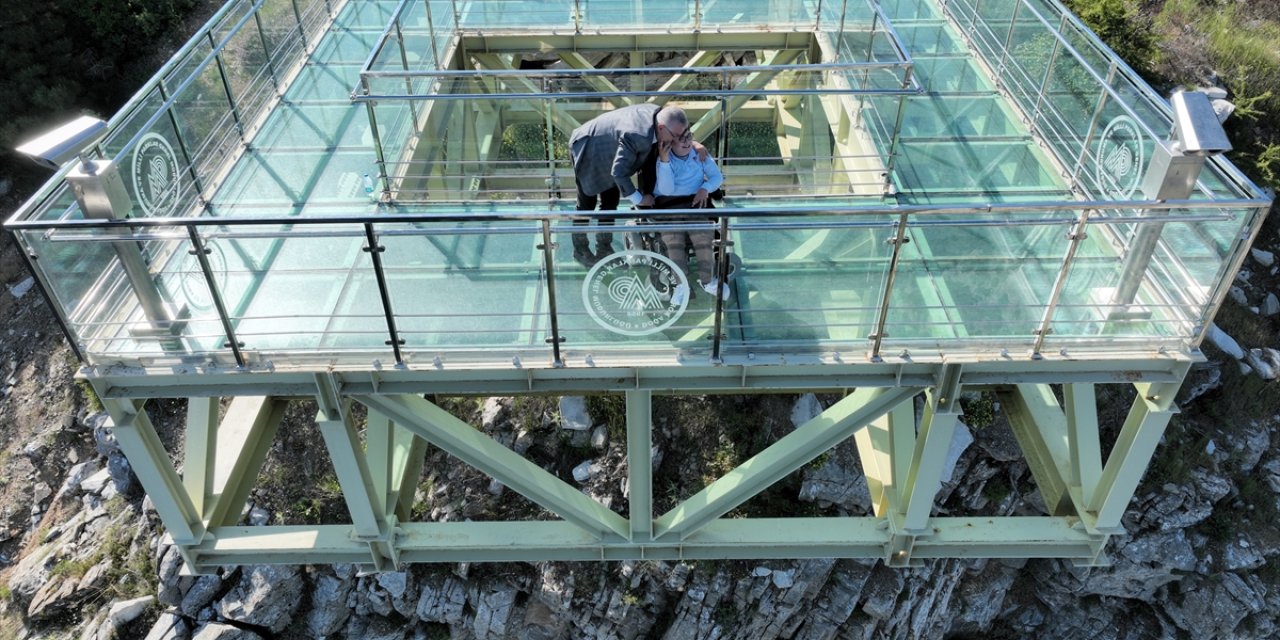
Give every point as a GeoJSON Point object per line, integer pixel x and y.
{"type": "Point", "coordinates": [687, 136]}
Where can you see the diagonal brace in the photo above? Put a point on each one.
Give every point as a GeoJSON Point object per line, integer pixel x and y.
{"type": "Point", "coordinates": [786, 455]}
{"type": "Point", "coordinates": [438, 427]}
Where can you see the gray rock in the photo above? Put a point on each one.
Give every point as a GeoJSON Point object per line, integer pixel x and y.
{"type": "Point", "coordinates": [167, 569]}
{"type": "Point", "coordinates": [402, 591]}
{"type": "Point", "coordinates": [328, 612]}
{"type": "Point", "coordinates": [980, 598]}
{"type": "Point", "coordinates": [573, 413]}
{"type": "Point", "coordinates": [1213, 606]}
{"type": "Point", "coordinates": [1264, 258]}
{"type": "Point", "coordinates": [1270, 305]}
{"type": "Point", "coordinates": [599, 438]}
{"type": "Point", "coordinates": [122, 613]}
{"type": "Point", "coordinates": [1241, 555]}
{"type": "Point", "coordinates": [199, 594]}
{"type": "Point", "coordinates": [104, 441]}
{"type": "Point", "coordinates": [494, 410]}
{"type": "Point", "coordinates": [442, 599]}
{"type": "Point", "coordinates": [77, 474]}
{"type": "Point", "coordinates": [1170, 550]}
{"type": "Point", "coordinates": [806, 408]}
{"type": "Point", "coordinates": [835, 603]}
{"type": "Point", "coordinates": [881, 592]}
{"type": "Point", "coordinates": [266, 596]}
{"type": "Point", "coordinates": [1226, 343]}
{"type": "Point", "coordinates": [169, 626]}
{"type": "Point", "coordinates": [782, 579]}
{"type": "Point", "coordinates": [1180, 506]}
{"type": "Point", "coordinates": [1200, 380]}
{"type": "Point", "coordinates": [582, 472]}
{"type": "Point", "coordinates": [96, 482]}
{"type": "Point", "coordinates": [220, 631]}
{"type": "Point", "coordinates": [375, 628]}
{"type": "Point", "coordinates": [493, 611]}
{"type": "Point", "coordinates": [1237, 294]}
{"type": "Point", "coordinates": [259, 517]}
{"type": "Point", "coordinates": [1266, 362]}
{"type": "Point", "coordinates": [121, 472]}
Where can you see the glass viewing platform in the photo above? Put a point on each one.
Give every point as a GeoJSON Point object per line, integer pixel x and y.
{"type": "Point", "coordinates": [385, 183]}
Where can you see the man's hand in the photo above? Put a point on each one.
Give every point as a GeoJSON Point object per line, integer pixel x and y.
{"type": "Point", "coordinates": [664, 150]}
{"type": "Point", "coordinates": [700, 199]}
{"type": "Point", "coordinates": [702, 151]}
{"type": "Point", "coordinates": [647, 200]}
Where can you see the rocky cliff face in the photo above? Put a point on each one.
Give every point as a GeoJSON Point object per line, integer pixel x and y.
{"type": "Point", "coordinates": [84, 558]}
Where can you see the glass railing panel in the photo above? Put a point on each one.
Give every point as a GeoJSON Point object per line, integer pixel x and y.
{"type": "Point", "coordinates": [467, 285]}
{"type": "Point", "coordinates": [367, 15]}
{"type": "Point", "coordinates": [305, 289]}
{"type": "Point", "coordinates": [109, 311]}
{"type": "Point", "coordinates": [1169, 291]}
{"type": "Point", "coordinates": [975, 281]}
{"type": "Point", "coordinates": [924, 40]}
{"type": "Point", "coordinates": [519, 15]}
{"type": "Point", "coordinates": [625, 301]}
{"type": "Point", "coordinates": [777, 14]}
{"type": "Point", "coordinates": [809, 284]}
{"type": "Point", "coordinates": [628, 15]}
{"type": "Point", "coordinates": [281, 32]}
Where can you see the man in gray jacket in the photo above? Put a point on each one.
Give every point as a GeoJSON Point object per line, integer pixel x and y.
{"type": "Point", "coordinates": [607, 151]}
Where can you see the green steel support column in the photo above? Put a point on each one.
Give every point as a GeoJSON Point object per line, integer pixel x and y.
{"type": "Point", "coordinates": [140, 444]}
{"type": "Point", "coordinates": [378, 455]}
{"type": "Point", "coordinates": [367, 520]}
{"type": "Point", "coordinates": [395, 461]}
{"type": "Point", "coordinates": [936, 429]}
{"type": "Point", "coordinates": [405, 485]}
{"type": "Point", "coordinates": [781, 458]}
{"type": "Point", "coordinates": [244, 437]}
{"type": "Point", "coordinates": [438, 427]}
{"type": "Point", "coordinates": [201, 444]}
{"type": "Point", "coordinates": [885, 448]}
{"type": "Point", "coordinates": [640, 464]}
{"type": "Point", "coordinates": [1129, 458]}
{"type": "Point", "coordinates": [1041, 429]}
{"type": "Point", "coordinates": [1082, 438]}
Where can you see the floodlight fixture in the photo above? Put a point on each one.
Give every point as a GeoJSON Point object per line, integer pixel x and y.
{"type": "Point", "coordinates": [1196, 126]}
{"type": "Point", "coordinates": [71, 140]}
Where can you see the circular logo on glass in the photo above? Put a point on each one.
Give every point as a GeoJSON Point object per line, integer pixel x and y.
{"type": "Point", "coordinates": [630, 292]}
{"type": "Point", "coordinates": [155, 175]}
{"type": "Point", "coordinates": [1119, 166]}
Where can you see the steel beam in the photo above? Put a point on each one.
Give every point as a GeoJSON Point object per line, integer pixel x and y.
{"type": "Point", "coordinates": [201, 444]}
{"type": "Point", "coordinates": [782, 538]}
{"type": "Point", "coordinates": [756, 372]}
{"type": "Point", "coordinates": [395, 458]}
{"type": "Point", "coordinates": [1083, 447]}
{"type": "Point", "coordinates": [1129, 458]}
{"type": "Point", "coordinates": [245, 435]}
{"type": "Point", "coordinates": [640, 464]}
{"type": "Point", "coordinates": [885, 448]}
{"type": "Point", "coordinates": [146, 454]}
{"type": "Point", "coordinates": [1041, 430]}
{"type": "Point", "coordinates": [438, 427]}
{"type": "Point", "coordinates": [924, 476]}
{"type": "Point", "coordinates": [786, 455]}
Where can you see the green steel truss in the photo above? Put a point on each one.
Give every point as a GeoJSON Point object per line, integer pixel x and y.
{"type": "Point", "coordinates": [228, 436]}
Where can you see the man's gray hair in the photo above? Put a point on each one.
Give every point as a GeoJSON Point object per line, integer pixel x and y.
{"type": "Point", "coordinates": [670, 115]}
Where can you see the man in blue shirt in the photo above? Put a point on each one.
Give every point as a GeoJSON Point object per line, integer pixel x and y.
{"type": "Point", "coordinates": [685, 180]}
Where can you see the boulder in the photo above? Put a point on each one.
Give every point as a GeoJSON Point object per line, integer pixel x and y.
{"type": "Point", "coordinates": [1213, 606]}
{"type": "Point", "coordinates": [494, 607]}
{"type": "Point", "coordinates": [169, 626]}
{"type": "Point", "coordinates": [329, 611]}
{"type": "Point", "coordinates": [1225, 343]}
{"type": "Point", "coordinates": [573, 413]}
{"type": "Point", "coordinates": [266, 596]}
{"type": "Point", "coordinates": [220, 631]}
{"type": "Point", "coordinates": [807, 407]}
{"type": "Point", "coordinates": [442, 599]}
